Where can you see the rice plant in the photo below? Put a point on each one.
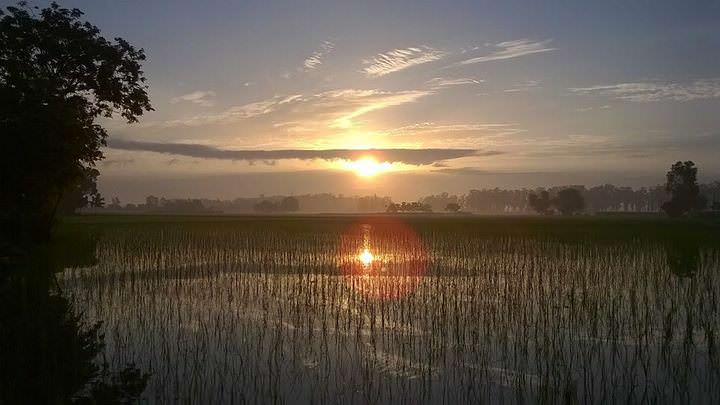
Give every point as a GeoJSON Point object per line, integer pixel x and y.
{"type": "Point", "coordinates": [380, 310]}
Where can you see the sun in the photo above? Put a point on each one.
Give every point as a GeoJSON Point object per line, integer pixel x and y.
{"type": "Point", "coordinates": [367, 167]}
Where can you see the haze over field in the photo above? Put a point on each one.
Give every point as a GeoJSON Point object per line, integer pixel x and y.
{"type": "Point", "coordinates": [505, 94]}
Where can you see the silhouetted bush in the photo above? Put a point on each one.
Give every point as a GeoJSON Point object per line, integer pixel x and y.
{"type": "Point", "coordinates": [541, 204]}
{"type": "Point", "coordinates": [685, 193]}
{"type": "Point", "coordinates": [569, 201]}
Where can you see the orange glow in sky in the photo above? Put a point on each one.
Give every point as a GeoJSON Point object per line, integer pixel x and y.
{"type": "Point", "coordinates": [367, 167]}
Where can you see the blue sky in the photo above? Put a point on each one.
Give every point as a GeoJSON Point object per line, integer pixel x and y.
{"type": "Point", "coordinates": [530, 93]}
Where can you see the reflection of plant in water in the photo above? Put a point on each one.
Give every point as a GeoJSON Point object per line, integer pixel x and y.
{"type": "Point", "coordinates": [683, 258]}
{"type": "Point", "coordinates": [115, 387]}
{"type": "Point", "coordinates": [286, 310]}
{"type": "Point", "coordinates": [48, 351]}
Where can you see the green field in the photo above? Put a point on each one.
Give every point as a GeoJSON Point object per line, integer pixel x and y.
{"type": "Point", "coordinates": [416, 309]}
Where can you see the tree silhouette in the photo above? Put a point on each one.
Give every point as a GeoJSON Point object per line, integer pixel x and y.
{"type": "Point", "coordinates": [115, 203]}
{"type": "Point", "coordinates": [405, 206]}
{"type": "Point", "coordinates": [151, 201]}
{"type": "Point", "coordinates": [57, 76]}
{"type": "Point", "coordinates": [540, 204]}
{"type": "Point", "coordinates": [81, 193]}
{"type": "Point", "coordinates": [265, 206]}
{"type": "Point", "coordinates": [452, 207]}
{"type": "Point", "coordinates": [569, 201]}
{"type": "Point", "coordinates": [289, 204]}
{"type": "Point", "coordinates": [682, 186]}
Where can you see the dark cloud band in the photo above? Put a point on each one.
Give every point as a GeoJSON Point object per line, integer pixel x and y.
{"type": "Point", "coordinates": [408, 156]}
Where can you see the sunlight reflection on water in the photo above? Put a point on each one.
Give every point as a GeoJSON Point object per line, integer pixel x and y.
{"type": "Point", "coordinates": [226, 315]}
{"type": "Point", "coordinates": [390, 261]}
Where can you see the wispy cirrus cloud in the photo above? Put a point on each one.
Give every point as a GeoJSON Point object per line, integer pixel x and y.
{"type": "Point", "coordinates": [522, 87]}
{"type": "Point", "coordinates": [334, 108]}
{"type": "Point", "coordinates": [407, 156]}
{"type": "Point", "coordinates": [231, 114]}
{"type": "Point", "coordinates": [316, 59]}
{"type": "Point", "coordinates": [591, 108]}
{"type": "Point", "coordinates": [650, 91]}
{"type": "Point", "coordinates": [399, 59]}
{"type": "Point", "coordinates": [512, 49]}
{"type": "Point", "coordinates": [440, 82]}
{"type": "Point", "coordinates": [204, 98]}
{"type": "Point", "coordinates": [493, 129]}
{"type": "Point", "coordinates": [365, 101]}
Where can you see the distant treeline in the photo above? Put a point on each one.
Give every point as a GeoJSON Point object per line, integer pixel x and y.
{"type": "Point", "coordinates": [155, 204]}
{"type": "Point", "coordinates": [325, 202]}
{"type": "Point", "coordinates": [604, 198]}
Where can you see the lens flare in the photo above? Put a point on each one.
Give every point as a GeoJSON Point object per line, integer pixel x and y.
{"type": "Point", "coordinates": [385, 259]}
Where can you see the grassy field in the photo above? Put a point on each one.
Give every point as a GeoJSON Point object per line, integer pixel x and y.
{"type": "Point", "coordinates": [409, 309]}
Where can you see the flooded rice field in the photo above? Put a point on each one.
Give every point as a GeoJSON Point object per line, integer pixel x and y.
{"type": "Point", "coordinates": [386, 310]}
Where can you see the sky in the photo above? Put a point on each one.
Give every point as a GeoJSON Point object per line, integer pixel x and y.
{"type": "Point", "coordinates": [267, 97]}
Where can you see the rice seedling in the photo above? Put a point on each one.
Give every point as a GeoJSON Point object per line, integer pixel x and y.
{"type": "Point", "coordinates": [378, 310]}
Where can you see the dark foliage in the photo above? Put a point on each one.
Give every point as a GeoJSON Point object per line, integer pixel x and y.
{"type": "Point", "coordinates": [265, 206]}
{"type": "Point", "coordinates": [452, 207]}
{"type": "Point", "coordinates": [57, 76]}
{"type": "Point", "coordinates": [181, 205]}
{"type": "Point", "coordinates": [541, 204]}
{"type": "Point", "coordinates": [684, 190]}
{"type": "Point", "coordinates": [408, 207]}
{"type": "Point", "coordinates": [121, 387]}
{"type": "Point", "coordinates": [569, 201]}
{"type": "Point", "coordinates": [683, 257]}
{"type": "Point", "coordinates": [81, 193]}
{"type": "Point", "coordinates": [439, 202]}
{"type": "Point", "coordinates": [287, 204]}
{"type": "Point", "coordinates": [49, 353]}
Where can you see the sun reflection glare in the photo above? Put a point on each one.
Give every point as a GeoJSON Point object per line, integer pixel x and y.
{"type": "Point", "coordinates": [366, 258]}
{"type": "Point", "coordinates": [383, 259]}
